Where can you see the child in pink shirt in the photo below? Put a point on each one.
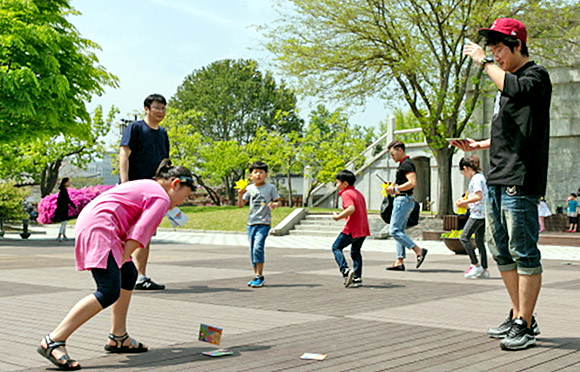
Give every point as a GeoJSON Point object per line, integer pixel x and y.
{"type": "Point", "coordinates": [108, 230]}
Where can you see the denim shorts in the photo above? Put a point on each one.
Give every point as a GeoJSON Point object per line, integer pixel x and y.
{"type": "Point", "coordinates": [512, 229]}
{"type": "Point", "coordinates": [257, 237]}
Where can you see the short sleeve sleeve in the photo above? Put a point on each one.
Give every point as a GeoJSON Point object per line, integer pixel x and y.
{"type": "Point", "coordinates": [274, 193]}
{"type": "Point", "coordinates": [149, 220]}
{"type": "Point", "coordinates": [128, 137]}
{"type": "Point", "coordinates": [347, 199]}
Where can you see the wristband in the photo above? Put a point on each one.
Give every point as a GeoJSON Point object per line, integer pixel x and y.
{"type": "Point", "coordinates": [485, 60]}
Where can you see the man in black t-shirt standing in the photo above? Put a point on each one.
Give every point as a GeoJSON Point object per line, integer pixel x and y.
{"type": "Point", "coordinates": [403, 204]}
{"type": "Point", "coordinates": [143, 145]}
{"type": "Point", "coordinates": [520, 134]}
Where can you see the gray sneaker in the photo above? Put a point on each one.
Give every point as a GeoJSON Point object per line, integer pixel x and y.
{"type": "Point", "coordinates": [503, 329]}
{"type": "Point", "coordinates": [519, 336]}
{"type": "Point", "coordinates": [348, 275]}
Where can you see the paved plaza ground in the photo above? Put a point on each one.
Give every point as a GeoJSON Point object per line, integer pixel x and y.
{"type": "Point", "coordinates": [430, 319]}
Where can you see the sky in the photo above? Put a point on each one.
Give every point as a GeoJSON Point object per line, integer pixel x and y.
{"type": "Point", "coordinates": [152, 45]}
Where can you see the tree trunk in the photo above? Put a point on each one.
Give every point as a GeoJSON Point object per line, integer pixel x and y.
{"type": "Point", "coordinates": [230, 191]}
{"type": "Point", "coordinates": [290, 189]}
{"type": "Point", "coordinates": [210, 192]}
{"type": "Point", "coordinates": [444, 168]}
{"type": "Point", "coordinates": [49, 177]}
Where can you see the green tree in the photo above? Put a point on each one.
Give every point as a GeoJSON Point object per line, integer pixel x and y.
{"type": "Point", "coordinates": [11, 202]}
{"type": "Point", "coordinates": [232, 98]}
{"type": "Point", "coordinates": [47, 71]}
{"type": "Point", "coordinates": [42, 157]}
{"type": "Point", "coordinates": [217, 111]}
{"type": "Point", "coordinates": [225, 161]}
{"type": "Point", "coordinates": [330, 142]}
{"type": "Point", "coordinates": [404, 120]}
{"type": "Point", "coordinates": [186, 149]}
{"type": "Point", "coordinates": [410, 49]}
{"type": "Point", "coordinates": [279, 151]}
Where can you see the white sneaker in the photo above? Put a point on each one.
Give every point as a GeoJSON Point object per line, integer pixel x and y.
{"type": "Point", "coordinates": [485, 274]}
{"type": "Point", "coordinates": [348, 276]}
{"type": "Point", "coordinates": [473, 272]}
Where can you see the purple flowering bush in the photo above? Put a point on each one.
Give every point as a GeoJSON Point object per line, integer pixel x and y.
{"type": "Point", "coordinates": [81, 197]}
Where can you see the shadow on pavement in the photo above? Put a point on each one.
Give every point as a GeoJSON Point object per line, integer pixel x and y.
{"type": "Point", "coordinates": [173, 356]}
{"type": "Point", "coordinates": [566, 343]}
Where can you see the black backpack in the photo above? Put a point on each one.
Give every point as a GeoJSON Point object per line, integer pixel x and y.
{"type": "Point", "coordinates": [387, 210]}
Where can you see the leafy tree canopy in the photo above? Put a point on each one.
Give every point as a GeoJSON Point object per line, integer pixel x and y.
{"type": "Point", "coordinates": [232, 98]}
{"type": "Point", "coordinates": [40, 158]}
{"type": "Point", "coordinates": [47, 71]}
{"type": "Point", "coordinates": [410, 50]}
{"type": "Point", "coordinates": [330, 143]}
{"type": "Point", "coordinates": [12, 202]}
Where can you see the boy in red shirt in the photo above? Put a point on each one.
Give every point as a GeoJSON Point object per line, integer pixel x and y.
{"type": "Point", "coordinates": [355, 230]}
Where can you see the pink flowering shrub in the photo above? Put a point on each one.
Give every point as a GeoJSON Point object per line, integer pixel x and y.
{"type": "Point", "coordinates": [81, 197]}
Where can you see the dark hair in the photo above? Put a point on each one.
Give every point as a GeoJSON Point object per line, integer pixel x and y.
{"type": "Point", "coordinates": [574, 195]}
{"type": "Point", "coordinates": [167, 171]}
{"type": "Point", "coordinates": [396, 144]}
{"type": "Point", "coordinates": [154, 98]}
{"type": "Point", "coordinates": [494, 38]}
{"type": "Point", "coordinates": [259, 165]}
{"type": "Point", "coordinates": [470, 162]}
{"type": "Point", "coordinates": [346, 175]}
{"type": "Point", "coordinates": [62, 182]}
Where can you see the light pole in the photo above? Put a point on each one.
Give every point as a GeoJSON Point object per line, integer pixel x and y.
{"type": "Point", "coordinates": [124, 124]}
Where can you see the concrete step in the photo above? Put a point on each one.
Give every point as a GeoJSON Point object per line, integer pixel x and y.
{"type": "Point", "coordinates": [318, 217]}
{"type": "Point", "coordinates": [324, 225]}
{"type": "Point", "coordinates": [328, 218]}
{"type": "Point", "coordinates": [318, 228]}
{"type": "Point", "coordinates": [313, 233]}
{"type": "Point", "coordinates": [321, 223]}
{"type": "Point", "coordinates": [307, 221]}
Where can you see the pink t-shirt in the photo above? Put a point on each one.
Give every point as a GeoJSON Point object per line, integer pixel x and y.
{"type": "Point", "coordinates": [131, 210]}
{"type": "Point", "coordinates": [357, 223]}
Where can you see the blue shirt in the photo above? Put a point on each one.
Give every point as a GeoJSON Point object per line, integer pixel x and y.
{"type": "Point", "coordinates": [572, 207]}
{"type": "Point", "coordinates": [148, 148]}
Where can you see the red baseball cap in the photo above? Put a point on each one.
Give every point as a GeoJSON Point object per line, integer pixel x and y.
{"type": "Point", "coordinates": [506, 26]}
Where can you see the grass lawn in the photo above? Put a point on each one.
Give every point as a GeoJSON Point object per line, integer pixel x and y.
{"type": "Point", "coordinates": [229, 218]}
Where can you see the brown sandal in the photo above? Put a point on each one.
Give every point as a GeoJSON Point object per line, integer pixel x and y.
{"type": "Point", "coordinates": [128, 349]}
{"type": "Point", "coordinates": [64, 363]}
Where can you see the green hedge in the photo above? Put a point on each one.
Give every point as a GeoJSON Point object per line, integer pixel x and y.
{"type": "Point", "coordinates": [12, 202]}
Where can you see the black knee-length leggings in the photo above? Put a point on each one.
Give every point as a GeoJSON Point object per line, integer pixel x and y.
{"type": "Point", "coordinates": [112, 279]}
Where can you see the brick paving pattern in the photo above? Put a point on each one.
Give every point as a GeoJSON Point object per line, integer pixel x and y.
{"type": "Point", "coordinates": [430, 319]}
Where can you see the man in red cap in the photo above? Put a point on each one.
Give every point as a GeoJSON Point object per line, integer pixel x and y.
{"type": "Point", "coordinates": [520, 132]}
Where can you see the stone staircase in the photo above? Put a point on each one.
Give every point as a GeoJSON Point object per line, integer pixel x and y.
{"type": "Point", "coordinates": [324, 225]}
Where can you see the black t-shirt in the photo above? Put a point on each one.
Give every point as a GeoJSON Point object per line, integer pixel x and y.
{"type": "Point", "coordinates": [405, 167]}
{"type": "Point", "coordinates": [520, 131]}
{"type": "Point", "coordinates": [148, 147]}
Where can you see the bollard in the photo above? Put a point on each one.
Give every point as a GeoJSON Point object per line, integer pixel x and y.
{"type": "Point", "coordinates": [25, 234]}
